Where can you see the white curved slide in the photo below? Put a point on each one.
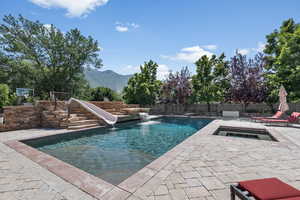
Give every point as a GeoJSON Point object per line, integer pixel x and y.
{"type": "Point", "coordinates": [98, 112]}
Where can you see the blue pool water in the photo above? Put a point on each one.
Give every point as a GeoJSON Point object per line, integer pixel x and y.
{"type": "Point", "coordinates": [113, 154]}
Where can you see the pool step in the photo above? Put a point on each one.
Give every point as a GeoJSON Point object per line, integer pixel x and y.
{"type": "Point", "coordinates": [83, 126]}
{"type": "Point", "coordinates": [74, 119]}
{"type": "Point", "coordinates": [83, 122]}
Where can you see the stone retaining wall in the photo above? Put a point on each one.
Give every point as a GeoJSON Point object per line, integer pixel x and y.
{"type": "Point", "coordinates": [116, 105]}
{"type": "Point", "coordinates": [50, 105]}
{"type": "Point", "coordinates": [106, 105]}
{"type": "Point", "coordinates": [54, 119]}
{"type": "Point", "coordinates": [20, 117]}
{"type": "Point", "coordinates": [42, 114]}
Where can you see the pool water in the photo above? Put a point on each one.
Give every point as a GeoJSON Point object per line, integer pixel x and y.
{"type": "Point", "coordinates": [114, 154]}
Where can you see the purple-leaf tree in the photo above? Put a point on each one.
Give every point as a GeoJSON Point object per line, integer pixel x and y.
{"type": "Point", "coordinates": [247, 82]}
{"type": "Point", "coordinates": [177, 88]}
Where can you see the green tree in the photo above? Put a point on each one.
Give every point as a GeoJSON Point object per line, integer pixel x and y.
{"type": "Point", "coordinates": [100, 93]}
{"type": "Point", "coordinates": [4, 95]}
{"type": "Point", "coordinates": [143, 88]}
{"type": "Point", "coordinates": [54, 60]}
{"type": "Point", "coordinates": [283, 60]}
{"type": "Point", "coordinates": [18, 74]}
{"type": "Point", "coordinates": [210, 82]}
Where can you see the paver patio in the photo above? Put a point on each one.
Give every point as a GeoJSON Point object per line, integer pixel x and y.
{"type": "Point", "coordinates": [200, 168]}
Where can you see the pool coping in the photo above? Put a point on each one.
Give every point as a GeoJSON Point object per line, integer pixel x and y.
{"type": "Point", "coordinates": [101, 189]}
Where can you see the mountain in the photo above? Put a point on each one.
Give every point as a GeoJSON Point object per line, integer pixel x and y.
{"type": "Point", "coordinates": [107, 78]}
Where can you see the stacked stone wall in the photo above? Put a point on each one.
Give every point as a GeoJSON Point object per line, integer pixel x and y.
{"type": "Point", "coordinates": [54, 119]}
{"type": "Point", "coordinates": [50, 105]}
{"type": "Point", "coordinates": [20, 117]}
{"type": "Point", "coordinates": [116, 106]}
{"type": "Point", "coordinates": [43, 114]}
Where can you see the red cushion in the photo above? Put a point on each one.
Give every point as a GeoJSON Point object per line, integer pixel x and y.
{"type": "Point", "coordinates": [292, 198]}
{"type": "Point", "coordinates": [275, 120]}
{"type": "Point", "coordinates": [294, 117]}
{"type": "Point", "coordinates": [278, 114]}
{"type": "Point", "coordinates": [296, 114]}
{"type": "Point", "coordinates": [269, 188]}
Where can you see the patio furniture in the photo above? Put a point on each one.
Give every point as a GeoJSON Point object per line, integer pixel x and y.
{"type": "Point", "coordinates": [293, 119]}
{"type": "Point", "coordinates": [230, 113]}
{"type": "Point", "coordinates": [277, 115]}
{"type": "Point", "coordinates": [264, 189]}
{"type": "Point", "coordinates": [283, 107]}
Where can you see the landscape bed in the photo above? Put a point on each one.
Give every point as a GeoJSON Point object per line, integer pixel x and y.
{"type": "Point", "coordinates": [114, 154]}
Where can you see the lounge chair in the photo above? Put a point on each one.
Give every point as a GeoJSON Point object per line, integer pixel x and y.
{"type": "Point", "coordinates": [277, 115]}
{"type": "Point", "coordinates": [294, 118]}
{"type": "Point", "coordinates": [264, 189]}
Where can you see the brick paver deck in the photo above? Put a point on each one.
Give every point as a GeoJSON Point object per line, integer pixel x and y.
{"type": "Point", "coordinates": [200, 168]}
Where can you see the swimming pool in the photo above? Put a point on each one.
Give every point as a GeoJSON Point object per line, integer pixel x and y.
{"type": "Point", "coordinates": [114, 154]}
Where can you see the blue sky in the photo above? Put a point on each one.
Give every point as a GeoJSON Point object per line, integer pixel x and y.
{"type": "Point", "coordinates": [171, 32]}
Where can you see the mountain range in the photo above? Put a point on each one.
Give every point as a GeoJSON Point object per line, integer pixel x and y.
{"type": "Point", "coordinates": [107, 78]}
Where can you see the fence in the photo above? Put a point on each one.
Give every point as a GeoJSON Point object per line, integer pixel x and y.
{"type": "Point", "coordinates": [216, 109]}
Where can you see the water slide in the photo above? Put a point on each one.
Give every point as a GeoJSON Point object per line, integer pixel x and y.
{"type": "Point", "coordinates": [98, 112]}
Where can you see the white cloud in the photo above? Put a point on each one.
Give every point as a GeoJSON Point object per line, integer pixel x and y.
{"type": "Point", "coordinates": [100, 48]}
{"type": "Point", "coordinates": [130, 69]}
{"type": "Point", "coordinates": [261, 47]}
{"type": "Point", "coordinates": [135, 25]}
{"type": "Point", "coordinates": [47, 26]}
{"type": "Point", "coordinates": [244, 51]}
{"type": "Point", "coordinates": [75, 8]}
{"type": "Point", "coordinates": [210, 47]}
{"type": "Point", "coordinates": [189, 54]}
{"type": "Point", "coordinates": [121, 28]}
{"type": "Point", "coordinates": [162, 72]}
{"type": "Point", "coordinates": [124, 27]}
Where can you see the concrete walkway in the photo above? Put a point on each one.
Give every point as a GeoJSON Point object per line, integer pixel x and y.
{"type": "Point", "coordinates": [200, 168]}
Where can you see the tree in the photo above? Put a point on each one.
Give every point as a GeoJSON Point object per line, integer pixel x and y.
{"type": "Point", "coordinates": [247, 82]}
{"type": "Point", "coordinates": [283, 60]}
{"type": "Point", "coordinates": [210, 82]}
{"type": "Point", "coordinates": [143, 88]}
{"type": "Point", "coordinates": [177, 88]}
{"type": "Point", "coordinates": [18, 74]}
{"type": "Point", "coordinates": [4, 95]}
{"type": "Point", "coordinates": [54, 60]}
{"type": "Point", "coordinates": [102, 93]}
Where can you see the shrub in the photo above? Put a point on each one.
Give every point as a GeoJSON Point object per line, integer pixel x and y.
{"type": "Point", "coordinates": [4, 95]}
{"type": "Point", "coordinates": [102, 93]}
